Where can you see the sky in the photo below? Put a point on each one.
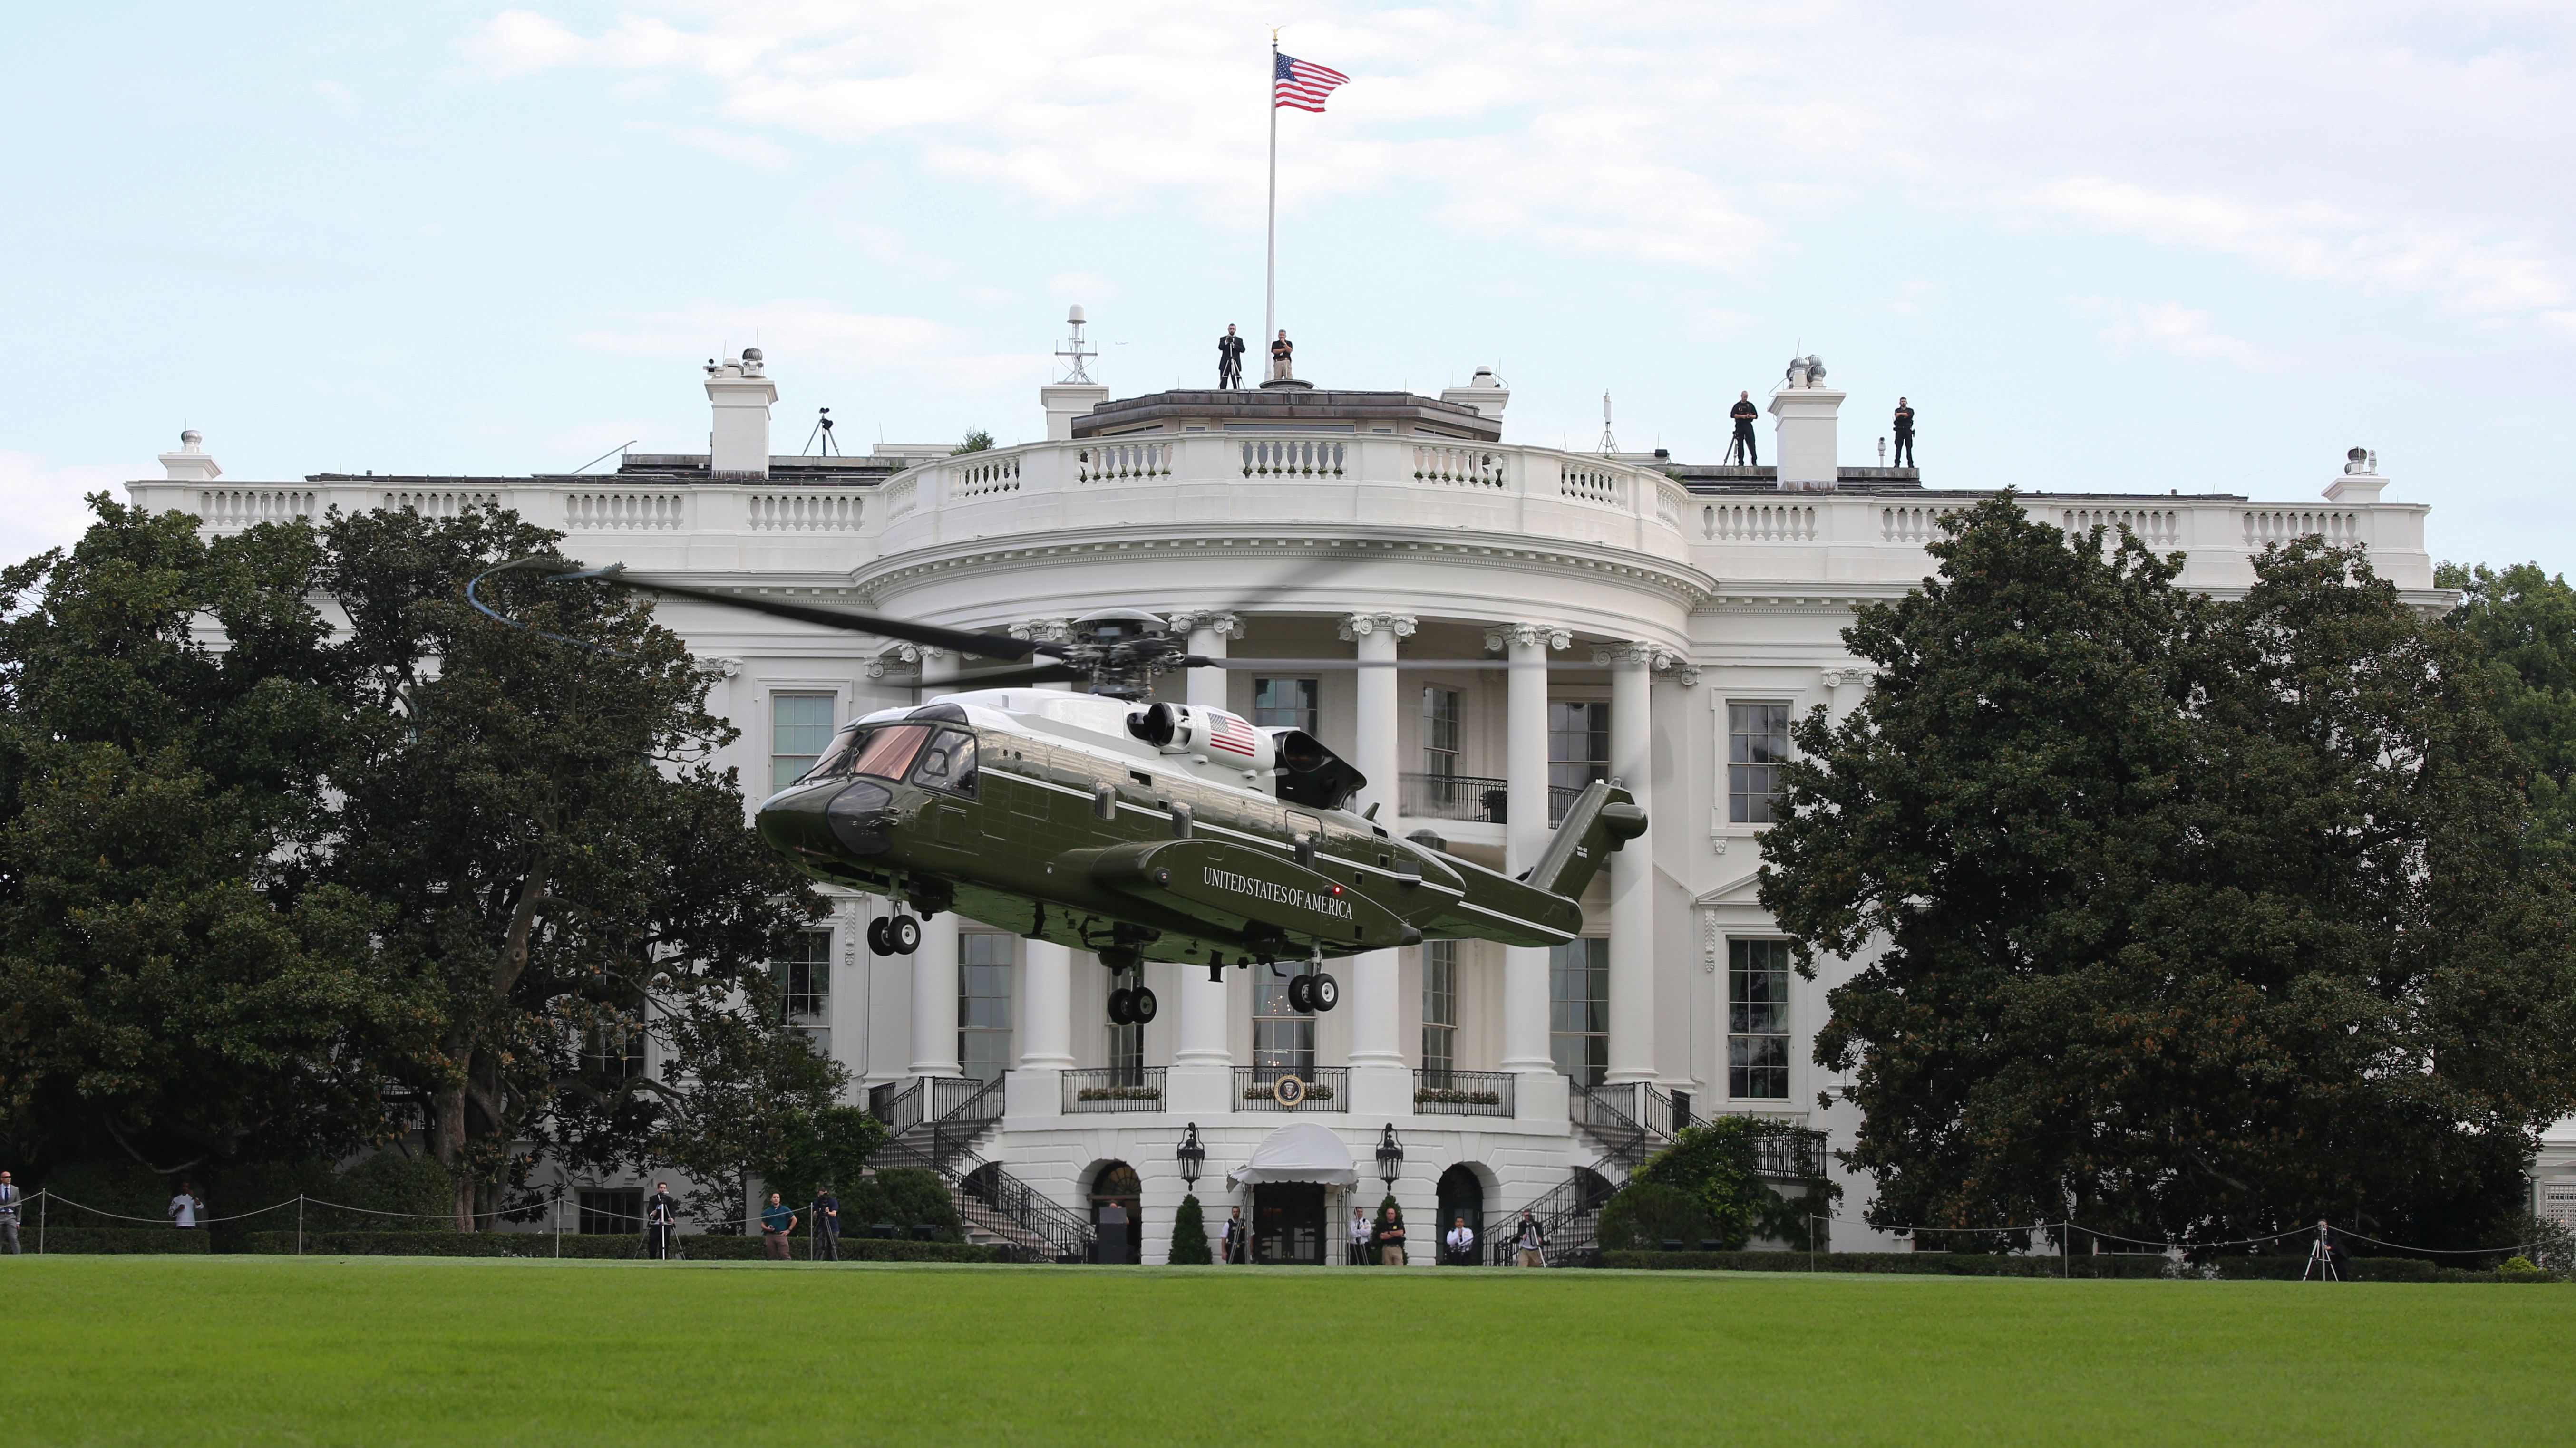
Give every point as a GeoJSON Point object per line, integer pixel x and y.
{"type": "Point", "coordinates": [2117, 247]}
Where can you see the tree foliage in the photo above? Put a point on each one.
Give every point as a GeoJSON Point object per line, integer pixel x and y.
{"type": "Point", "coordinates": [2191, 917]}
{"type": "Point", "coordinates": [294, 843]}
{"type": "Point", "coordinates": [2524, 621]}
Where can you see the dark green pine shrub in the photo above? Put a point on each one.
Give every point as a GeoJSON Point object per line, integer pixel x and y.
{"type": "Point", "coordinates": [1189, 1235]}
{"type": "Point", "coordinates": [1645, 1215]}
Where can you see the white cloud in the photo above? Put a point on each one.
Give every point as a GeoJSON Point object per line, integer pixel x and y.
{"type": "Point", "coordinates": [2177, 329]}
{"type": "Point", "coordinates": [758, 152]}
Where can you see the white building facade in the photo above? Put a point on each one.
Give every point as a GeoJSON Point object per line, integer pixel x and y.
{"type": "Point", "coordinates": [1585, 616]}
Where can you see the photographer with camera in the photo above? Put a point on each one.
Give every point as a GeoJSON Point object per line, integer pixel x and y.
{"type": "Point", "coordinates": [2327, 1257]}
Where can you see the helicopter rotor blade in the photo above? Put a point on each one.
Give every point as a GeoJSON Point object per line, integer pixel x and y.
{"type": "Point", "coordinates": [1013, 678]}
{"type": "Point", "coordinates": [983, 645]}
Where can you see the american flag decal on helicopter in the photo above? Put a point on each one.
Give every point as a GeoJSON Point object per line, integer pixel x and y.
{"type": "Point", "coordinates": [1232, 734]}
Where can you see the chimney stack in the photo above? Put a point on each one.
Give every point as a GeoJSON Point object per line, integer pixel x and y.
{"type": "Point", "coordinates": [738, 447]}
{"type": "Point", "coordinates": [191, 463]}
{"type": "Point", "coordinates": [2360, 481]}
{"type": "Point", "coordinates": [1805, 439]}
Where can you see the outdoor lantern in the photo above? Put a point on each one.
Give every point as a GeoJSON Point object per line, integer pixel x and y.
{"type": "Point", "coordinates": [1193, 1156]}
{"type": "Point", "coordinates": [1390, 1157]}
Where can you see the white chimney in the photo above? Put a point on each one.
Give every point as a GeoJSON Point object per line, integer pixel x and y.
{"type": "Point", "coordinates": [191, 463]}
{"type": "Point", "coordinates": [2360, 481]}
{"type": "Point", "coordinates": [1485, 393]}
{"type": "Point", "coordinates": [739, 445]}
{"type": "Point", "coordinates": [1804, 442]}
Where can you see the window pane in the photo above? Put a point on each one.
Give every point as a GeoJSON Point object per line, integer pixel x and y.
{"type": "Point", "coordinates": [1440, 731]}
{"type": "Point", "coordinates": [1440, 1006]}
{"type": "Point", "coordinates": [805, 978]}
{"type": "Point", "coordinates": [1757, 740]}
{"type": "Point", "coordinates": [949, 763]}
{"type": "Point", "coordinates": [1283, 1038]}
{"type": "Point", "coordinates": [1757, 1019]}
{"type": "Point", "coordinates": [1578, 981]}
{"type": "Point", "coordinates": [1285, 703]}
{"type": "Point", "coordinates": [1578, 744]}
{"type": "Point", "coordinates": [800, 725]}
{"type": "Point", "coordinates": [984, 1005]}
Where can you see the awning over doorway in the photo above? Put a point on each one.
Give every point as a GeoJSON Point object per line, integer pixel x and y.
{"type": "Point", "coordinates": [1301, 1151]}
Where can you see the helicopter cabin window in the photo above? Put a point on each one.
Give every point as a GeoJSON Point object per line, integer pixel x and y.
{"type": "Point", "coordinates": [836, 759]}
{"type": "Point", "coordinates": [799, 726]}
{"type": "Point", "coordinates": [949, 763]}
{"type": "Point", "coordinates": [1283, 1037]}
{"type": "Point", "coordinates": [1757, 740]}
{"type": "Point", "coordinates": [887, 753]}
{"type": "Point", "coordinates": [1286, 703]}
{"type": "Point", "coordinates": [984, 1004]}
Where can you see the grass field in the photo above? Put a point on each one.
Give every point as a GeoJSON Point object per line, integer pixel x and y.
{"type": "Point", "coordinates": [315, 1350]}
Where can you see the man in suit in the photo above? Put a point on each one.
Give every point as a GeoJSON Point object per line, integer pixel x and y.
{"type": "Point", "coordinates": [8, 1215]}
{"type": "Point", "coordinates": [661, 1215]}
{"type": "Point", "coordinates": [1229, 359]}
{"type": "Point", "coordinates": [1744, 412]}
{"type": "Point", "coordinates": [1904, 433]}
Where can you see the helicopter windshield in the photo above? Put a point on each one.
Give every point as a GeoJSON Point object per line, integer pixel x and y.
{"type": "Point", "coordinates": [887, 753]}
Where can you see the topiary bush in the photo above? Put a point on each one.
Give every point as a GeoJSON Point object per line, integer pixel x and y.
{"type": "Point", "coordinates": [1189, 1235]}
{"type": "Point", "coordinates": [904, 1196]}
{"type": "Point", "coordinates": [1644, 1215]}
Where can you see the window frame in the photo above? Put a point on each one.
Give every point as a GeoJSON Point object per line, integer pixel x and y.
{"type": "Point", "coordinates": [1444, 713]}
{"type": "Point", "coordinates": [1440, 1006]}
{"type": "Point", "coordinates": [813, 954]}
{"type": "Point", "coordinates": [1310, 713]}
{"type": "Point", "coordinates": [831, 703]}
{"type": "Point", "coordinates": [1269, 1024]}
{"type": "Point", "coordinates": [1742, 804]}
{"type": "Point", "coordinates": [1595, 1035]}
{"type": "Point", "coordinates": [1758, 1033]}
{"type": "Point", "coordinates": [973, 1032]}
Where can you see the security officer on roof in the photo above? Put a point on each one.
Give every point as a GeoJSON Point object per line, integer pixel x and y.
{"type": "Point", "coordinates": [1229, 359]}
{"type": "Point", "coordinates": [1904, 433]}
{"type": "Point", "coordinates": [1744, 413]}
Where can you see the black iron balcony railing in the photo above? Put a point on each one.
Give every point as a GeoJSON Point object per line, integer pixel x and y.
{"type": "Point", "coordinates": [1327, 1088]}
{"type": "Point", "coordinates": [1472, 797]}
{"type": "Point", "coordinates": [1464, 1093]}
{"type": "Point", "coordinates": [1114, 1088]}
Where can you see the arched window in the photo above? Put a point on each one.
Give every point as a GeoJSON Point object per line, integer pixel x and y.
{"type": "Point", "coordinates": [1462, 1198]}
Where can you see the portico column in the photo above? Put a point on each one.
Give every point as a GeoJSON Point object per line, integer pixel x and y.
{"type": "Point", "coordinates": [934, 965]}
{"type": "Point", "coordinates": [1201, 1079]}
{"type": "Point", "coordinates": [1525, 834]}
{"type": "Point", "coordinates": [1380, 1084]}
{"type": "Point", "coordinates": [1632, 869]}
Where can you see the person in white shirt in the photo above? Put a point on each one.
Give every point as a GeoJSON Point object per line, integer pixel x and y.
{"type": "Point", "coordinates": [1461, 1242]}
{"type": "Point", "coordinates": [1359, 1237]}
{"type": "Point", "coordinates": [186, 1205]}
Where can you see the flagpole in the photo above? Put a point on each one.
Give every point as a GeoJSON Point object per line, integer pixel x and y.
{"type": "Point", "coordinates": [1270, 282]}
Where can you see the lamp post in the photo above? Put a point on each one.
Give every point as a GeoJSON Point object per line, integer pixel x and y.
{"type": "Point", "coordinates": [1192, 1155]}
{"type": "Point", "coordinates": [1390, 1157]}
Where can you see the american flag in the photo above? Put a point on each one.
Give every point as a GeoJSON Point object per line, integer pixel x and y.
{"type": "Point", "coordinates": [1232, 734]}
{"type": "Point", "coordinates": [1302, 84]}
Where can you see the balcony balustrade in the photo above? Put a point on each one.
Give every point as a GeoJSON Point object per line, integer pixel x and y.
{"type": "Point", "coordinates": [1256, 1088]}
{"type": "Point", "coordinates": [1113, 1088]}
{"type": "Point", "coordinates": [1464, 1093]}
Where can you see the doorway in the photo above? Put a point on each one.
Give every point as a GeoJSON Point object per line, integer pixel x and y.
{"type": "Point", "coordinates": [1288, 1224]}
{"type": "Point", "coordinates": [1462, 1194]}
{"type": "Point", "coordinates": [1116, 1184]}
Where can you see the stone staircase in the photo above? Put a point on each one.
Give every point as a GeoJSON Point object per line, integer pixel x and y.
{"type": "Point", "coordinates": [935, 1123]}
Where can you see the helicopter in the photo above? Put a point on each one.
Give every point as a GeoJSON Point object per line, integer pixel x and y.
{"type": "Point", "coordinates": [1134, 830]}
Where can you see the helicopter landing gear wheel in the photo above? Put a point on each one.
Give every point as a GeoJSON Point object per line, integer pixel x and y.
{"type": "Point", "coordinates": [904, 934]}
{"type": "Point", "coordinates": [1122, 1007]}
{"type": "Point", "coordinates": [1301, 993]}
{"type": "Point", "coordinates": [1323, 992]}
{"type": "Point", "coordinates": [877, 943]}
{"type": "Point", "coordinates": [1141, 1006]}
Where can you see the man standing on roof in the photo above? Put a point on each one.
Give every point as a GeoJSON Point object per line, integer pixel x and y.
{"type": "Point", "coordinates": [1229, 359]}
{"type": "Point", "coordinates": [1904, 433]}
{"type": "Point", "coordinates": [1744, 412]}
{"type": "Point", "coordinates": [1282, 358]}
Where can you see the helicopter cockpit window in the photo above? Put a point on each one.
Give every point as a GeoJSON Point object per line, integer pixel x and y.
{"type": "Point", "coordinates": [836, 757]}
{"type": "Point", "coordinates": [949, 763]}
{"type": "Point", "coordinates": [888, 753]}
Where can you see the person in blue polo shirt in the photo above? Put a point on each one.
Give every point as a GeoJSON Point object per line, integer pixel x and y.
{"type": "Point", "coordinates": [775, 1223]}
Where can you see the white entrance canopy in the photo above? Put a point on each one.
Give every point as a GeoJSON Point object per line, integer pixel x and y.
{"type": "Point", "coordinates": [1301, 1151]}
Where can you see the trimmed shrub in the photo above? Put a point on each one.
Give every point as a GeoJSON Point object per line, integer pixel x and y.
{"type": "Point", "coordinates": [1189, 1235]}
{"type": "Point", "coordinates": [905, 1196]}
{"type": "Point", "coordinates": [595, 1248]}
{"type": "Point", "coordinates": [114, 1241]}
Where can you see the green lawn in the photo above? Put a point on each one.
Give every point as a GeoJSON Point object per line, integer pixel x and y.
{"type": "Point", "coordinates": [317, 1350]}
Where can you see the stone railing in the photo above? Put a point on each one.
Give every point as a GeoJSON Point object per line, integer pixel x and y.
{"type": "Point", "coordinates": [839, 510]}
{"type": "Point", "coordinates": [626, 511]}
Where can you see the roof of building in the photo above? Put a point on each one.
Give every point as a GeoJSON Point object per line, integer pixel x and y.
{"type": "Point", "coordinates": [1290, 407]}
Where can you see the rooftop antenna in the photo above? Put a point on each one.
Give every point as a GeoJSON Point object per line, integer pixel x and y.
{"type": "Point", "coordinates": [823, 432]}
{"type": "Point", "coordinates": [603, 457]}
{"type": "Point", "coordinates": [1609, 444]}
{"type": "Point", "coordinates": [1074, 351]}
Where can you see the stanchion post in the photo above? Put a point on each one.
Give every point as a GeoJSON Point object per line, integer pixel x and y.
{"type": "Point", "coordinates": [40, 1220]}
{"type": "Point", "coordinates": [558, 1221]}
{"type": "Point", "coordinates": [2065, 1251]}
{"type": "Point", "coordinates": [299, 1224]}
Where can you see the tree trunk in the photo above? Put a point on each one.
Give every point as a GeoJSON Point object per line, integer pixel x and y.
{"type": "Point", "coordinates": [447, 1143]}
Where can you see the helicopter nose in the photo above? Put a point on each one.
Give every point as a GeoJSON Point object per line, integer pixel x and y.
{"type": "Point", "coordinates": [849, 821]}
